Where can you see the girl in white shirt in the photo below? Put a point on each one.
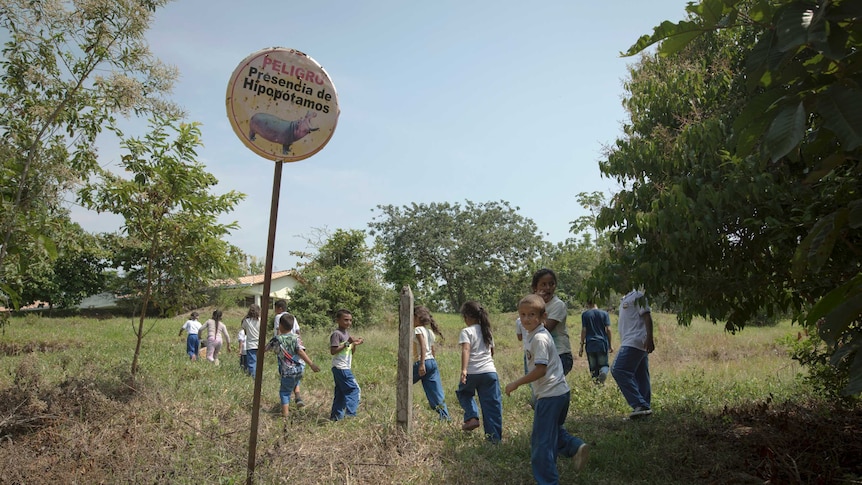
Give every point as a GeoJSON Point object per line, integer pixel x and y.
{"type": "Point", "coordinates": [425, 368]}
{"type": "Point", "coordinates": [478, 374]}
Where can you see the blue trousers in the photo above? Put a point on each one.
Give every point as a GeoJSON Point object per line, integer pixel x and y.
{"type": "Point", "coordinates": [347, 394]}
{"type": "Point", "coordinates": [550, 438]}
{"type": "Point", "coordinates": [598, 365]}
{"type": "Point", "coordinates": [287, 385]}
{"type": "Point", "coordinates": [251, 362]}
{"type": "Point", "coordinates": [432, 386]}
{"type": "Point", "coordinates": [568, 361]}
{"type": "Point", "coordinates": [487, 387]}
{"type": "Point", "coordinates": [631, 371]}
{"type": "Point", "coordinates": [193, 345]}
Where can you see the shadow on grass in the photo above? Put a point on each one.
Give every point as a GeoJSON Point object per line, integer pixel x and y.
{"type": "Point", "coordinates": [793, 443]}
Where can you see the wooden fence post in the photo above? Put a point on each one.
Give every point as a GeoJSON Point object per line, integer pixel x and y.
{"type": "Point", "coordinates": [404, 392]}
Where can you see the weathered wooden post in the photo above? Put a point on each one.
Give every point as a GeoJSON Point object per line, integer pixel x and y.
{"type": "Point", "coordinates": [404, 392]}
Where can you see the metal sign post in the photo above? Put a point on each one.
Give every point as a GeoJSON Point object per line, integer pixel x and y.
{"type": "Point", "coordinates": [282, 106]}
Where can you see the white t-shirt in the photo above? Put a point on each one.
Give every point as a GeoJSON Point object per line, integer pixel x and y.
{"type": "Point", "coordinates": [539, 348]}
{"type": "Point", "coordinates": [631, 325]}
{"type": "Point", "coordinates": [481, 361]}
{"type": "Point", "coordinates": [429, 342]}
{"type": "Point", "coordinates": [252, 333]}
{"type": "Point", "coordinates": [191, 326]}
{"type": "Point", "coordinates": [295, 328]}
{"type": "Point", "coordinates": [558, 311]}
{"type": "Point", "coordinates": [344, 359]}
{"type": "Point", "coordinates": [240, 337]}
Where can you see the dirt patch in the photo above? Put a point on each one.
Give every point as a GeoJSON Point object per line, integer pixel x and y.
{"type": "Point", "coordinates": [12, 349]}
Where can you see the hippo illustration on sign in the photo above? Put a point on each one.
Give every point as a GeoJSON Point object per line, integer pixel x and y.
{"type": "Point", "coordinates": [281, 131]}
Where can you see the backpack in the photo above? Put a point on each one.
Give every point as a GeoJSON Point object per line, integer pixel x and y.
{"type": "Point", "coordinates": [286, 346]}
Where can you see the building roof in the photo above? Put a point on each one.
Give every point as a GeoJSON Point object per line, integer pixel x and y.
{"type": "Point", "coordinates": [257, 279]}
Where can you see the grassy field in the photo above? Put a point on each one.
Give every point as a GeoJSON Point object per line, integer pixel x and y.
{"type": "Point", "coordinates": [68, 413]}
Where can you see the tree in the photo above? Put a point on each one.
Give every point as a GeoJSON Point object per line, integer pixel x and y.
{"type": "Point", "coordinates": [453, 254]}
{"type": "Point", "coordinates": [67, 69]}
{"type": "Point", "coordinates": [174, 243]}
{"type": "Point", "coordinates": [742, 157]}
{"type": "Point", "coordinates": [76, 273]}
{"type": "Point", "coordinates": [341, 275]}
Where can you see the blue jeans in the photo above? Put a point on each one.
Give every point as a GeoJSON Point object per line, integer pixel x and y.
{"type": "Point", "coordinates": [550, 438]}
{"type": "Point", "coordinates": [251, 362]}
{"type": "Point", "coordinates": [193, 345]}
{"type": "Point", "coordinates": [287, 386]}
{"type": "Point", "coordinates": [598, 365]}
{"type": "Point", "coordinates": [347, 394]}
{"type": "Point", "coordinates": [568, 362]}
{"type": "Point", "coordinates": [487, 387]}
{"type": "Point", "coordinates": [433, 387]}
{"type": "Point", "coordinates": [631, 371]}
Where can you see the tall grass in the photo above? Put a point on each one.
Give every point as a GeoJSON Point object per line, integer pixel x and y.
{"type": "Point", "coordinates": [188, 422]}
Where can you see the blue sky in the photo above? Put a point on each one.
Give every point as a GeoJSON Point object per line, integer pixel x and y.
{"type": "Point", "coordinates": [441, 101]}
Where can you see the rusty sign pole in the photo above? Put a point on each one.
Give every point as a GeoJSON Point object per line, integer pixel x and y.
{"type": "Point", "coordinates": [283, 106]}
{"type": "Point", "coordinates": [264, 322]}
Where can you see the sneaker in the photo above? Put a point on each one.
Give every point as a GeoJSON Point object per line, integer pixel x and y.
{"type": "Point", "coordinates": [639, 412]}
{"type": "Point", "coordinates": [300, 403]}
{"type": "Point", "coordinates": [470, 424]}
{"type": "Point", "coordinates": [581, 457]}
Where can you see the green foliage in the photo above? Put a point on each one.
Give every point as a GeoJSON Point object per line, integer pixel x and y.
{"type": "Point", "coordinates": [742, 157]}
{"type": "Point", "coordinates": [67, 68]}
{"type": "Point", "coordinates": [826, 378]}
{"type": "Point", "coordinates": [450, 254]}
{"type": "Point", "coordinates": [341, 275]}
{"type": "Point", "coordinates": [78, 271]}
{"type": "Point", "coordinates": [174, 245]}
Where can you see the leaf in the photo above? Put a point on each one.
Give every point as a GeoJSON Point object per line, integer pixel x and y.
{"type": "Point", "coordinates": [786, 131]}
{"type": "Point", "coordinates": [841, 108]}
{"type": "Point", "coordinates": [749, 126]}
{"type": "Point", "coordinates": [791, 29]}
{"type": "Point", "coordinates": [664, 31]}
{"type": "Point", "coordinates": [839, 319]}
{"type": "Point", "coordinates": [799, 262]}
{"type": "Point", "coordinates": [855, 385]}
{"type": "Point", "coordinates": [825, 167]}
{"type": "Point", "coordinates": [823, 236]}
{"type": "Point", "coordinates": [831, 300]}
{"type": "Point", "coordinates": [674, 44]}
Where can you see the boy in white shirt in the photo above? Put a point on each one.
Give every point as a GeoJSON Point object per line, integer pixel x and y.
{"type": "Point", "coordinates": [545, 375]}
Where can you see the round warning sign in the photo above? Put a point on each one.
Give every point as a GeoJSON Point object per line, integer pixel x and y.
{"type": "Point", "coordinates": [282, 104]}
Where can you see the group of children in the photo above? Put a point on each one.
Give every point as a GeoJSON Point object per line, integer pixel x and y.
{"type": "Point", "coordinates": [546, 367]}
{"type": "Point", "coordinates": [216, 337]}
{"type": "Point", "coordinates": [289, 349]}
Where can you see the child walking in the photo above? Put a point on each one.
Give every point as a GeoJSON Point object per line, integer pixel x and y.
{"type": "Point", "coordinates": [478, 374]}
{"type": "Point", "coordinates": [280, 309]}
{"type": "Point", "coordinates": [291, 352]}
{"type": "Point", "coordinates": [215, 330]}
{"type": "Point", "coordinates": [549, 438]}
{"type": "Point", "coordinates": [240, 338]}
{"type": "Point", "coordinates": [545, 284]}
{"type": "Point", "coordinates": [193, 343]}
{"type": "Point", "coordinates": [341, 347]}
{"type": "Point", "coordinates": [251, 326]}
{"type": "Point", "coordinates": [425, 367]}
